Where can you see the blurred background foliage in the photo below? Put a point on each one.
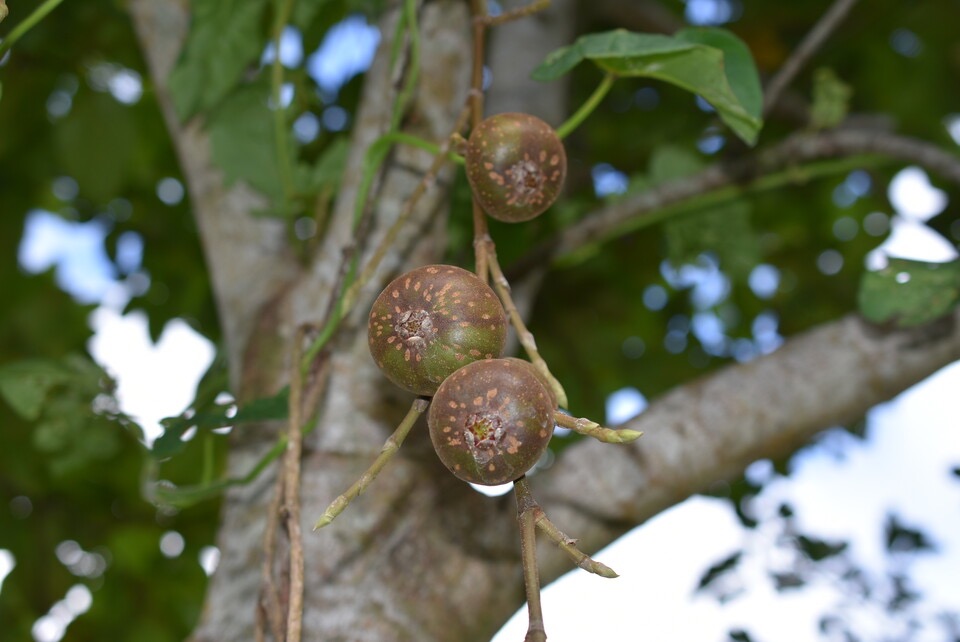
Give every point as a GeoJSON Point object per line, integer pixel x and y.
{"type": "Point", "coordinates": [82, 137]}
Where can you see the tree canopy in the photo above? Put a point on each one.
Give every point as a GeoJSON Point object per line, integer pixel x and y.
{"type": "Point", "coordinates": [715, 247]}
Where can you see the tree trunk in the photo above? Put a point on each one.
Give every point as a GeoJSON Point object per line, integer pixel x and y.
{"type": "Point", "coordinates": [422, 556]}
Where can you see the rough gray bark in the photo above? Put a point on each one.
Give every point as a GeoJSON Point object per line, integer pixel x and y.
{"type": "Point", "coordinates": [710, 429]}
{"type": "Point", "coordinates": [421, 556]}
{"type": "Point", "coordinates": [515, 50]}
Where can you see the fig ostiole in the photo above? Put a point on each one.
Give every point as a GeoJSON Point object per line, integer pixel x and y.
{"type": "Point", "coordinates": [491, 420]}
{"type": "Point", "coordinates": [516, 166]}
{"type": "Point", "coordinates": [431, 321]}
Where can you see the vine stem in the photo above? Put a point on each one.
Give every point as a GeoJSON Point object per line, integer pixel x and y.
{"type": "Point", "coordinates": [281, 139]}
{"type": "Point", "coordinates": [588, 106]}
{"type": "Point", "coordinates": [409, 18]}
{"type": "Point", "coordinates": [441, 155]}
{"type": "Point", "coordinates": [269, 603]}
{"type": "Point", "coordinates": [27, 24]}
{"type": "Point", "coordinates": [350, 293]}
{"type": "Point", "coordinates": [291, 491]}
{"type": "Point", "coordinates": [480, 233]}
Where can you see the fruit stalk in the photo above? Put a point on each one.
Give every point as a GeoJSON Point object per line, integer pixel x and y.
{"type": "Point", "coordinates": [589, 428]}
{"type": "Point", "coordinates": [526, 515]}
{"type": "Point", "coordinates": [526, 338]}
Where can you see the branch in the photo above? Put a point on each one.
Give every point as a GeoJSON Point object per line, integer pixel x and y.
{"type": "Point", "coordinates": [711, 429]}
{"type": "Point", "coordinates": [740, 175]}
{"type": "Point", "coordinates": [249, 257]}
{"type": "Point", "coordinates": [827, 24]}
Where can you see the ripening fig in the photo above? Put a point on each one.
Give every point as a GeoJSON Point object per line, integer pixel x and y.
{"type": "Point", "coordinates": [431, 321]}
{"type": "Point", "coordinates": [516, 166]}
{"type": "Point", "coordinates": [491, 420]}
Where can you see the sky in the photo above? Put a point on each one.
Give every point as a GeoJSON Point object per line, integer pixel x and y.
{"type": "Point", "coordinates": [840, 487]}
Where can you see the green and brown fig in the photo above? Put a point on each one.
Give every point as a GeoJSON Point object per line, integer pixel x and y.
{"type": "Point", "coordinates": [491, 420]}
{"type": "Point", "coordinates": [431, 321]}
{"type": "Point", "coordinates": [516, 166]}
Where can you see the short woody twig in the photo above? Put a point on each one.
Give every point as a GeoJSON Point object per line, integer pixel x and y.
{"type": "Point", "coordinates": [827, 24]}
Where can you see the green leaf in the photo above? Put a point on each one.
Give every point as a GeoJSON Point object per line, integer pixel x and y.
{"type": "Point", "coordinates": [908, 293]}
{"type": "Point", "coordinates": [226, 36]}
{"type": "Point", "coordinates": [25, 384]}
{"type": "Point", "coordinates": [724, 230]}
{"type": "Point", "coordinates": [213, 415]}
{"type": "Point", "coordinates": [265, 409]}
{"type": "Point", "coordinates": [738, 64]}
{"type": "Point", "coordinates": [71, 400]}
{"type": "Point", "coordinates": [557, 63]}
{"type": "Point", "coordinates": [243, 140]}
{"type": "Point", "coordinates": [698, 68]}
{"type": "Point", "coordinates": [326, 172]}
{"type": "Point", "coordinates": [831, 99]}
{"type": "Point", "coordinates": [304, 13]}
{"type": "Point", "coordinates": [96, 144]}
{"type": "Point", "coordinates": [671, 162]}
{"type": "Point", "coordinates": [618, 48]}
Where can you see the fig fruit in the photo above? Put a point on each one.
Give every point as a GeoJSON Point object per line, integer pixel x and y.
{"type": "Point", "coordinates": [516, 165]}
{"type": "Point", "coordinates": [491, 420]}
{"type": "Point", "coordinates": [431, 321]}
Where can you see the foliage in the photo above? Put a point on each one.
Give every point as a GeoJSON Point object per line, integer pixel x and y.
{"type": "Point", "coordinates": [710, 62]}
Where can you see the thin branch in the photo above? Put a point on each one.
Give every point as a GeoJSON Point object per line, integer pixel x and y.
{"type": "Point", "coordinates": [827, 24]}
{"type": "Point", "coordinates": [526, 338]}
{"type": "Point", "coordinates": [589, 428]}
{"type": "Point", "coordinates": [282, 10]}
{"type": "Point", "coordinates": [516, 14]}
{"type": "Point", "coordinates": [749, 172]}
{"type": "Point", "coordinates": [527, 510]}
{"type": "Point", "coordinates": [268, 606]}
{"type": "Point", "coordinates": [291, 491]}
{"type": "Point", "coordinates": [389, 449]}
{"type": "Point", "coordinates": [478, 9]}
